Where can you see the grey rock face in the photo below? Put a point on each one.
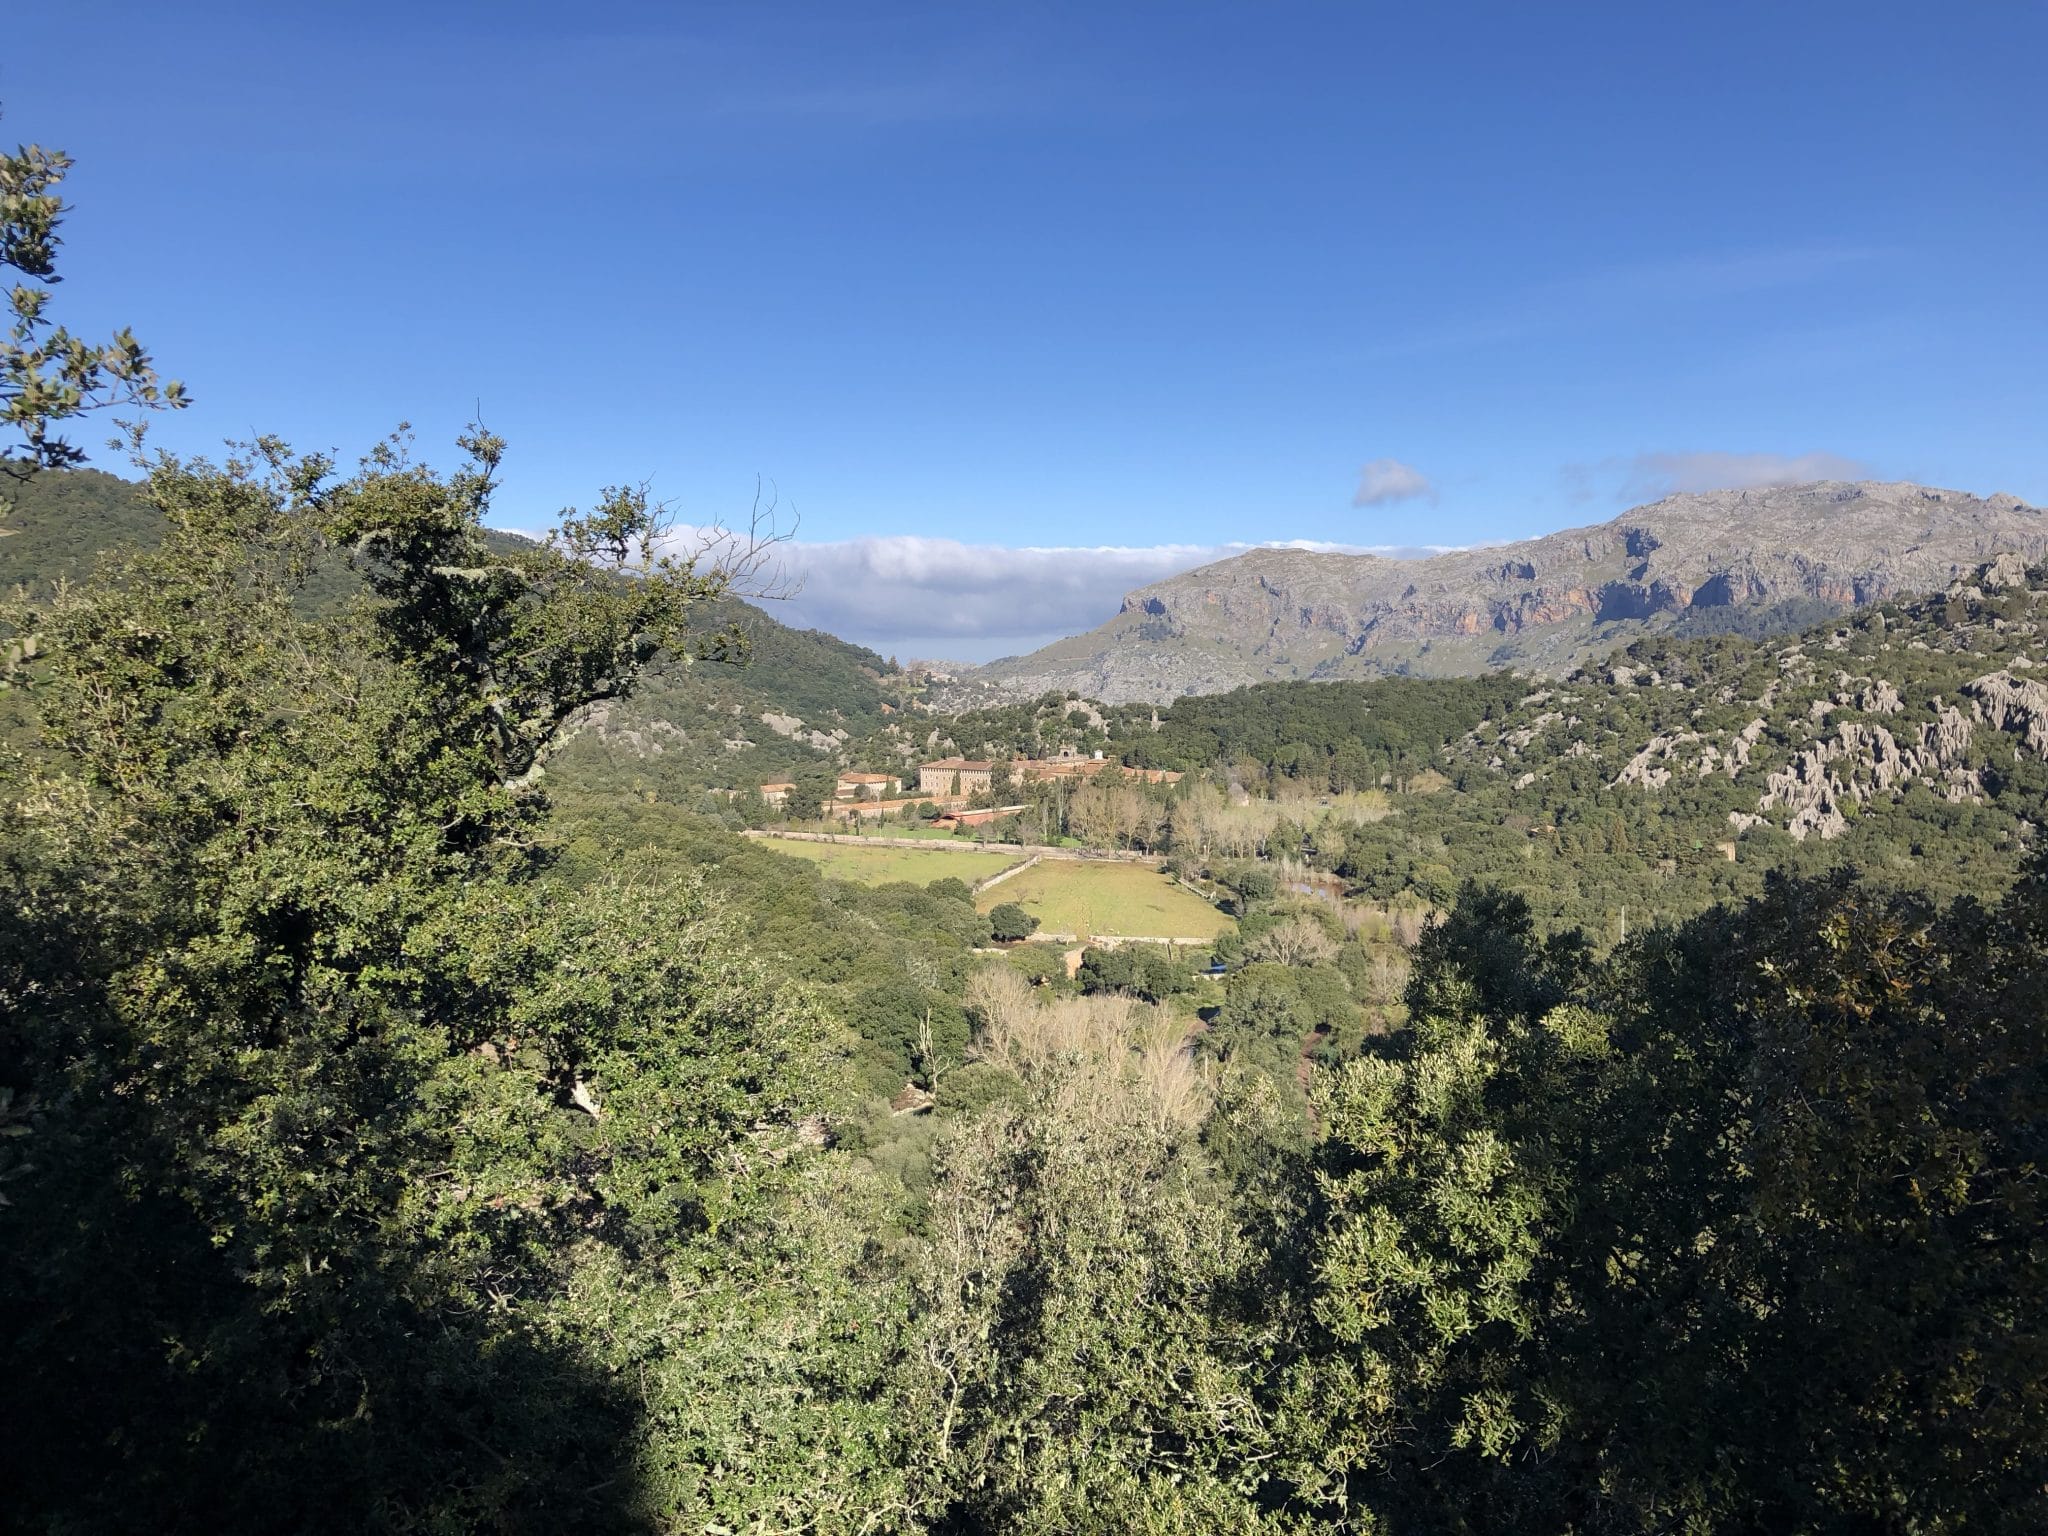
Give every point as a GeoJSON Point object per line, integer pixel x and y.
{"type": "Point", "coordinates": [2008, 703]}
{"type": "Point", "coordinates": [1937, 713]}
{"type": "Point", "coordinates": [1543, 605]}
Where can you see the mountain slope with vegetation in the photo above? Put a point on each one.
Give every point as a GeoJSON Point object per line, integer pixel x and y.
{"type": "Point", "coordinates": [1908, 740]}
{"type": "Point", "coordinates": [783, 701]}
{"type": "Point", "coordinates": [1761, 561]}
{"type": "Point", "coordinates": [1904, 739]}
{"type": "Point", "coordinates": [59, 523]}
{"type": "Point", "coordinates": [705, 712]}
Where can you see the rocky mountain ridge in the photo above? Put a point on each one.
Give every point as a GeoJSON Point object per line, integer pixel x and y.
{"type": "Point", "coordinates": [1690, 563]}
{"type": "Point", "coordinates": [1940, 697]}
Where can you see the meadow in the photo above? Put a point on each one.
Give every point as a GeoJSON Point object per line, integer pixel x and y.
{"type": "Point", "coordinates": [880, 866]}
{"type": "Point", "coordinates": [1131, 900]}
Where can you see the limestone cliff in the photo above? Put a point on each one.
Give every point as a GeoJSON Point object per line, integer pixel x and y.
{"type": "Point", "coordinates": [1937, 696]}
{"type": "Point", "coordinates": [1543, 605]}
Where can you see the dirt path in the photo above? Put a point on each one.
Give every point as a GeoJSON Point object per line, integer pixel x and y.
{"type": "Point", "coordinates": [1035, 850]}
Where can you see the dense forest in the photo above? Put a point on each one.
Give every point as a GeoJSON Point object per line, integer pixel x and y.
{"type": "Point", "coordinates": [415, 1118]}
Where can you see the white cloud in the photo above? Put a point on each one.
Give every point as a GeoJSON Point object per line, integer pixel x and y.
{"type": "Point", "coordinates": [1389, 480]}
{"type": "Point", "coordinates": [927, 596]}
{"type": "Point", "coordinates": [1652, 475]}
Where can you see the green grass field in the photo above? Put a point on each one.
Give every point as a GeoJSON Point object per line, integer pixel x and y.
{"type": "Point", "coordinates": [1067, 896]}
{"type": "Point", "coordinates": [879, 866]}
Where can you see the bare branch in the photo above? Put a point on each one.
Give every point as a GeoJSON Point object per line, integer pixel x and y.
{"type": "Point", "coordinates": [745, 560]}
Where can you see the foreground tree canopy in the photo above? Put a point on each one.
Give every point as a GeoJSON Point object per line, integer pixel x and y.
{"type": "Point", "coordinates": [48, 375]}
{"type": "Point", "coordinates": [311, 1051]}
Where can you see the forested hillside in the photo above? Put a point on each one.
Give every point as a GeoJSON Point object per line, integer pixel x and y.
{"type": "Point", "coordinates": [61, 523]}
{"type": "Point", "coordinates": [1905, 742]}
{"type": "Point", "coordinates": [707, 713]}
{"type": "Point", "coordinates": [1909, 741]}
{"type": "Point", "coordinates": [783, 701]}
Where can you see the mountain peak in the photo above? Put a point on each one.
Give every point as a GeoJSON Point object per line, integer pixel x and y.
{"type": "Point", "coordinates": [1696, 561]}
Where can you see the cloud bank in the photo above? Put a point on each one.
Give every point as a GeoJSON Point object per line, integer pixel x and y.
{"type": "Point", "coordinates": [1667, 474]}
{"type": "Point", "coordinates": [972, 602]}
{"type": "Point", "coordinates": [1652, 476]}
{"type": "Point", "coordinates": [1389, 480]}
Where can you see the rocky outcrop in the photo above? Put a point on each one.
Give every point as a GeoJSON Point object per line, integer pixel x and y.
{"type": "Point", "coordinates": [796, 730]}
{"type": "Point", "coordinates": [617, 727]}
{"type": "Point", "coordinates": [2008, 570]}
{"type": "Point", "coordinates": [1654, 766]}
{"type": "Point", "coordinates": [1733, 756]}
{"type": "Point", "coordinates": [1860, 762]}
{"type": "Point", "coordinates": [1814, 793]}
{"type": "Point", "coordinates": [2008, 703]}
{"type": "Point", "coordinates": [1650, 768]}
{"type": "Point", "coordinates": [1816, 790]}
{"type": "Point", "coordinates": [1545, 604]}
{"type": "Point", "coordinates": [1945, 693]}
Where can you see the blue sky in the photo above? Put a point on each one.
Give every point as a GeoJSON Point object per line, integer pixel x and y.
{"type": "Point", "coordinates": [1159, 280]}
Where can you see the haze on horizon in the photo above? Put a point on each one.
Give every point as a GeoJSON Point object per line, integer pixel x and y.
{"type": "Point", "coordinates": [1019, 311]}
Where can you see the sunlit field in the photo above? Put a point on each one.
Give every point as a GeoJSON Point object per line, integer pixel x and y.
{"type": "Point", "coordinates": [1068, 896]}
{"type": "Point", "coordinates": [879, 866]}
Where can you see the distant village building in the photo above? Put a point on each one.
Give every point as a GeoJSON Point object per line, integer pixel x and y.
{"type": "Point", "coordinates": [954, 776]}
{"type": "Point", "coordinates": [776, 793]}
{"type": "Point", "coordinates": [868, 810]}
{"type": "Point", "coordinates": [865, 786]}
{"type": "Point", "coordinates": [1067, 763]}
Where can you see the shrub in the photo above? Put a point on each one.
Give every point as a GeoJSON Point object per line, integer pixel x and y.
{"type": "Point", "coordinates": [1010, 923]}
{"type": "Point", "coordinates": [951, 886]}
